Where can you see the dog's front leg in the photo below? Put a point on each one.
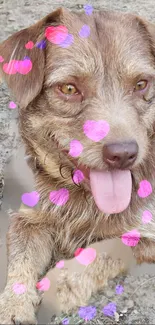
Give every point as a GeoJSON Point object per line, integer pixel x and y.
{"type": "Point", "coordinates": [29, 255]}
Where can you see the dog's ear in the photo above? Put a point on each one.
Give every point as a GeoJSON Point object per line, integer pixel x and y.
{"type": "Point", "coordinates": [22, 68]}
{"type": "Point", "coordinates": [151, 30]}
{"type": "Point", "coordinates": [148, 29]}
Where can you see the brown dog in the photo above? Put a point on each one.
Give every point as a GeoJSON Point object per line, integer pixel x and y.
{"type": "Point", "coordinates": [95, 85]}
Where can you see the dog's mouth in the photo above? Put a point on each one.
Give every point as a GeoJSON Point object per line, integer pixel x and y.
{"type": "Point", "coordinates": [111, 189]}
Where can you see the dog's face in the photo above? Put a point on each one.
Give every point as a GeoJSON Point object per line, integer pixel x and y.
{"type": "Point", "coordinates": [99, 89]}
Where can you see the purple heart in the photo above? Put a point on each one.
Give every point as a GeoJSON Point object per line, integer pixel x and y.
{"type": "Point", "coordinates": [68, 41]}
{"type": "Point", "coordinates": [85, 31]}
{"type": "Point", "coordinates": [65, 321]}
{"type": "Point", "coordinates": [88, 9]}
{"type": "Point", "coordinates": [26, 58]}
{"type": "Point", "coordinates": [110, 309]}
{"type": "Point", "coordinates": [87, 313]}
{"type": "Point", "coordinates": [41, 45]}
{"type": "Point", "coordinates": [30, 199]}
{"type": "Point", "coordinates": [119, 289]}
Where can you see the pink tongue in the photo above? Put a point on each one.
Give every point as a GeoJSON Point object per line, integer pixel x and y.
{"type": "Point", "coordinates": [111, 190]}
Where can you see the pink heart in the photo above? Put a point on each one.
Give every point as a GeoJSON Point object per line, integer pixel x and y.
{"type": "Point", "coordinates": [59, 197]}
{"type": "Point", "coordinates": [78, 176]}
{"type": "Point", "coordinates": [24, 67]}
{"type": "Point", "coordinates": [146, 217]}
{"type": "Point", "coordinates": [56, 35]}
{"type": "Point", "coordinates": [75, 148]}
{"type": "Point", "coordinates": [12, 105]}
{"type": "Point", "coordinates": [19, 288]}
{"type": "Point", "coordinates": [145, 189]}
{"type": "Point", "coordinates": [43, 285]}
{"type": "Point", "coordinates": [10, 68]}
{"type": "Point", "coordinates": [86, 256]}
{"type": "Point", "coordinates": [96, 130]}
{"type": "Point", "coordinates": [29, 45]}
{"type": "Point", "coordinates": [131, 238]}
{"type": "Point", "coordinates": [31, 198]}
{"type": "Point", "coordinates": [1, 59]}
{"type": "Point", "coordinates": [60, 264]}
{"type": "Point", "coordinates": [78, 251]}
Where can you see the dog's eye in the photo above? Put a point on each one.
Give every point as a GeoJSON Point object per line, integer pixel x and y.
{"type": "Point", "coordinates": [68, 89]}
{"type": "Point", "coordinates": [141, 85]}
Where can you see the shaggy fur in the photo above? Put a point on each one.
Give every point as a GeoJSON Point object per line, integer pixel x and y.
{"type": "Point", "coordinates": [105, 68]}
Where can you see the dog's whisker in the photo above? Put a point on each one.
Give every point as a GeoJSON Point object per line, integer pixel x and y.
{"type": "Point", "coordinates": [45, 158]}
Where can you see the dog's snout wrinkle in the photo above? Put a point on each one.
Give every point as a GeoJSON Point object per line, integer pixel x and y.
{"type": "Point", "coordinates": [121, 154]}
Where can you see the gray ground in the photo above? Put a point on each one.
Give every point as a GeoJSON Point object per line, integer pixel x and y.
{"type": "Point", "coordinates": [137, 303]}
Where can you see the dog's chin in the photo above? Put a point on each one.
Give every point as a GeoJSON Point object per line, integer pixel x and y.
{"type": "Point", "coordinates": [111, 189]}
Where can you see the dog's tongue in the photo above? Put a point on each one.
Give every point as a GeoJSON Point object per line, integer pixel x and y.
{"type": "Point", "coordinates": [111, 189]}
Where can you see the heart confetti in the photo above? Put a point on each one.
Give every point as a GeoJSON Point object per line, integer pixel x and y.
{"type": "Point", "coordinates": [24, 67]}
{"type": "Point", "coordinates": [30, 199]}
{"type": "Point", "coordinates": [60, 264]}
{"type": "Point", "coordinates": [146, 217]}
{"type": "Point", "coordinates": [12, 105]}
{"type": "Point", "coordinates": [29, 45]}
{"type": "Point", "coordinates": [26, 58]}
{"type": "Point", "coordinates": [41, 45]}
{"type": "Point", "coordinates": [19, 288]}
{"type": "Point", "coordinates": [76, 148]}
{"type": "Point", "coordinates": [110, 309]}
{"type": "Point", "coordinates": [145, 189]}
{"type": "Point", "coordinates": [78, 176]}
{"type": "Point", "coordinates": [131, 238]}
{"type": "Point", "coordinates": [85, 31]}
{"type": "Point", "coordinates": [78, 251]}
{"type": "Point", "coordinates": [96, 130]}
{"type": "Point", "coordinates": [68, 41]}
{"type": "Point", "coordinates": [56, 35]}
{"type": "Point", "coordinates": [86, 256]}
{"type": "Point", "coordinates": [87, 313]}
{"type": "Point", "coordinates": [43, 285]}
{"type": "Point", "coordinates": [88, 9]}
{"type": "Point", "coordinates": [59, 197]}
{"type": "Point", "coordinates": [1, 59]}
{"type": "Point", "coordinates": [14, 66]}
{"type": "Point", "coordinates": [10, 68]}
{"type": "Point", "coordinates": [119, 289]}
{"type": "Point", "coordinates": [65, 321]}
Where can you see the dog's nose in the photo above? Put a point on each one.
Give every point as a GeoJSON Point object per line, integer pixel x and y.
{"type": "Point", "coordinates": [120, 155]}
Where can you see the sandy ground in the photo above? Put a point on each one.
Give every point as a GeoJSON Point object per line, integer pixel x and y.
{"type": "Point", "coordinates": [136, 305]}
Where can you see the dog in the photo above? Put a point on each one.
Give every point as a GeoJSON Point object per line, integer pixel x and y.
{"type": "Point", "coordinates": [85, 86]}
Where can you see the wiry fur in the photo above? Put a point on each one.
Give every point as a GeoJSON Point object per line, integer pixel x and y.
{"type": "Point", "coordinates": [105, 67]}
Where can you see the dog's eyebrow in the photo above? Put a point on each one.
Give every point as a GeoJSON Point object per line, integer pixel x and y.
{"type": "Point", "coordinates": [66, 72]}
{"type": "Point", "coordinates": [149, 73]}
{"type": "Point", "coordinates": [79, 66]}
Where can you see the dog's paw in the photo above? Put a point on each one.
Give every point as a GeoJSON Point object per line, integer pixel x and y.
{"type": "Point", "coordinates": [74, 290]}
{"type": "Point", "coordinates": [68, 293]}
{"type": "Point", "coordinates": [14, 311]}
